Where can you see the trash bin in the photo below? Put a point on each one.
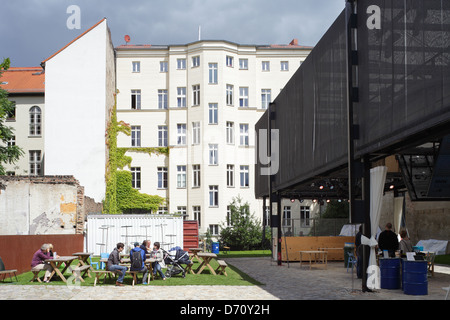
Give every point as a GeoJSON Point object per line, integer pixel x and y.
{"type": "Point", "coordinates": [349, 247]}
{"type": "Point", "coordinates": [215, 248]}
{"type": "Point", "coordinates": [390, 273]}
{"type": "Point", "coordinates": [414, 277]}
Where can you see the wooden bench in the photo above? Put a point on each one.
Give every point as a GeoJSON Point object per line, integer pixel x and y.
{"type": "Point", "coordinates": [227, 249]}
{"type": "Point", "coordinates": [189, 268]}
{"type": "Point", "coordinates": [99, 273]}
{"type": "Point", "coordinates": [77, 272]}
{"type": "Point", "coordinates": [221, 268]}
{"type": "Point", "coordinates": [10, 272]}
{"type": "Point", "coordinates": [36, 275]}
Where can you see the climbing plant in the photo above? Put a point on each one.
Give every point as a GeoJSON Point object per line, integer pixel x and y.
{"type": "Point", "coordinates": [120, 196]}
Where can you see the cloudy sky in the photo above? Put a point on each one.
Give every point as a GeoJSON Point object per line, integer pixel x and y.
{"type": "Point", "coordinates": [32, 30]}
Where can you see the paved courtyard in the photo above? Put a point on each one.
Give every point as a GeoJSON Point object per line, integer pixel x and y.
{"type": "Point", "coordinates": [286, 282]}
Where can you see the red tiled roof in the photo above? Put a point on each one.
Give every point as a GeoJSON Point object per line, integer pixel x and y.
{"type": "Point", "coordinates": [23, 80]}
{"type": "Point", "coordinates": [43, 62]}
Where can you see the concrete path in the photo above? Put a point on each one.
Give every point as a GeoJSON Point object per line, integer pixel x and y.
{"type": "Point", "coordinates": [286, 282]}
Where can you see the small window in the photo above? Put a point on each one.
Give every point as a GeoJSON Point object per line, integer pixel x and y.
{"type": "Point", "coordinates": [243, 64]}
{"type": "Point", "coordinates": [266, 66]}
{"type": "Point", "coordinates": [195, 61]}
{"type": "Point", "coordinates": [136, 66]}
{"type": "Point", "coordinates": [181, 64]}
{"type": "Point", "coordinates": [136, 99]}
{"type": "Point", "coordinates": [35, 121]}
{"type": "Point", "coordinates": [229, 61]}
{"type": "Point", "coordinates": [284, 65]}
{"type": "Point", "coordinates": [136, 177]}
{"type": "Point", "coordinates": [163, 66]}
{"type": "Point", "coordinates": [135, 136]}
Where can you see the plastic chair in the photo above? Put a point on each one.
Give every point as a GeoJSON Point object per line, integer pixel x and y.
{"type": "Point", "coordinates": [93, 263]}
{"type": "Point", "coordinates": [103, 256]}
{"type": "Point", "coordinates": [351, 260]}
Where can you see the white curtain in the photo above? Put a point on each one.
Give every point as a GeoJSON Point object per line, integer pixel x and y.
{"type": "Point", "coordinates": [398, 213]}
{"type": "Point", "coordinates": [377, 180]}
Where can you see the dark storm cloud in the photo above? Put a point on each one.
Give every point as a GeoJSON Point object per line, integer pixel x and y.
{"type": "Point", "coordinates": [32, 30]}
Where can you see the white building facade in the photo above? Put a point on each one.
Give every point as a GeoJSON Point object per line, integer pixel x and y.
{"type": "Point", "coordinates": [201, 100]}
{"type": "Point", "coordinates": [79, 95]}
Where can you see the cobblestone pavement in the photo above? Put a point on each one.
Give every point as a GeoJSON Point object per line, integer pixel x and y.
{"type": "Point", "coordinates": [286, 282]}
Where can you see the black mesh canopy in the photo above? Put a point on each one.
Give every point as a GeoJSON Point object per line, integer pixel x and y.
{"type": "Point", "coordinates": [403, 81]}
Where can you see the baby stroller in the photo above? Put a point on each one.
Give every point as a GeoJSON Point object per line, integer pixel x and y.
{"type": "Point", "coordinates": [174, 261]}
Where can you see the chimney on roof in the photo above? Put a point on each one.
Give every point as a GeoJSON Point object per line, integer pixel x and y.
{"type": "Point", "coordinates": [294, 42]}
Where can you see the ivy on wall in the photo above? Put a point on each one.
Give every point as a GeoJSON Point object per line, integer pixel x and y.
{"type": "Point", "coordinates": [120, 196]}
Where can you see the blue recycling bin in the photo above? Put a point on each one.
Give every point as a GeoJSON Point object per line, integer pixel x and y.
{"type": "Point", "coordinates": [215, 248]}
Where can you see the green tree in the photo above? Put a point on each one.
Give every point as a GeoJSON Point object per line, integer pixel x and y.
{"type": "Point", "coordinates": [8, 154]}
{"type": "Point", "coordinates": [243, 231]}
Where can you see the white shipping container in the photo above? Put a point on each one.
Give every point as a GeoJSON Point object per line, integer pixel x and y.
{"type": "Point", "coordinates": [103, 232]}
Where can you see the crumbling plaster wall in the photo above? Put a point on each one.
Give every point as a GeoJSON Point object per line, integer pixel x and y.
{"type": "Point", "coordinates": [41, 205]}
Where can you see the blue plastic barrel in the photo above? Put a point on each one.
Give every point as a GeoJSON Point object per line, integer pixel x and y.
{"type": "Point", "coordinates": [390, 273]}
{"type": "Point", "coordinates": [414, 277]}
{"type": "Point", "coordinates": [215, 248]}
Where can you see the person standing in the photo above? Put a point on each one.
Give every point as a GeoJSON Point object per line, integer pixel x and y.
{"type": "Point", "coordinates": [387, 240]}
{"type": "Point", "coordinates": [114, 261]}
{"type": "Point", "coordinates": [405, 244]}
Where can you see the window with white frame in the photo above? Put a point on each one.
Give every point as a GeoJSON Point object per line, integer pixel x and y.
{"type": "Point", "coordinates": [196, 132]}
{"type": "Point", "coordinates": [136, 99]}
{"type": "Point", "coordinates": [196, 61]}
{"type": "Point", "coordinates": [35, 162]}
{"type": "Point", "coordinates": [229, 94]}
{"type": "Point", "coordinates": [181, 134]}
{"type": "Point", "coordinates": [213, 196]}
{"type": "Point", "coordinates": [181, 64]}
{"type": "Point", "coordinates": [162, 177]}
{"type": "Point", "coordinates": [11, 141]}
{"type": "Point", "coordinates": [162, 210]}
{"type": "Point", "coordinates": [266, 66]}
{"type": "Point", "coordinates": [162, 99]}
{"type": "Point", "coordinates": [287, 222]}
{"type": "Point", "coordinates": [243, 64]}
{"type": "Point", "coordinates": [214, 229]}
{"type": "Point", "coordinates": [230, 175]}
{"type": "Point", "coordinates": [35, 121]}
{"type": "Point", "coordinates": [195, 175]}
{"type": "Point", "coordinates": [182, 210]}
{"type": "Point", "coordinates": [213, 154]}
{"type": "Point", "coordinates": [136, 177]}
{"type": "Point", "coordinates": [163, 66]}
{"type": "Point", "coordinates": [284, 65]}
{"type": "Point", "coordinates": [135, 136]}
{"type": "Point", "coordinates": [196, 95]}
{"type": "Point", "coordinates": [212, 73]}
{"type": "Point", "coordinates": [230, 132]}
{"type": "Point", "coordinates": [304, 216]}
{"type": "Point", "coordinates": [181, 97]}
{"type": "Point", "coordinates": [181, 176]}
{"type": "Point", "coordinates": [162, 136]}
{"type": "Point", "coordinates": [244, 175]}
{"type": "Point", "coordinates": [196, 210]}
{"type": "Point", "coordinates": [243, 135]}
{"type": "Point", "coordinates": [213, 113]}
{"type": "Point", "coordinates": [243, 96]}
{"type": "Point", "coordinates": [229, 61]}
{"type": "Point", "coordinates": [136, 66]}
{"type": "Point", "coordinates": [265, 98]}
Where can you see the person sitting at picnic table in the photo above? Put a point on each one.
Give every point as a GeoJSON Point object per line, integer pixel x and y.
{"type": "Point", "coordinates": [113, 263]}
{"type": "Point", "coordinates": [158, 255]}
{"type": "Point", "coordinates": [38, 261]}
{"type": "Point", "coordinates": [146, 246]}
{"type": "Point", "coordinates": [137, 260]}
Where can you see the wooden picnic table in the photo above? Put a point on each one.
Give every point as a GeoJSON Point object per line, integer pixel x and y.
{"type": "Point", "coordinates": [83, 263]}
{"type": "Point", "coordinates": [322, 256]}
{"type": "Point", "coordinates": [56, 263]}
{"type": "Point", "coordinates": [207, 257]}
{"type": "Point", "coordinates": [126, 262]}
{"type": "Point", "coordinates": [195, 252]}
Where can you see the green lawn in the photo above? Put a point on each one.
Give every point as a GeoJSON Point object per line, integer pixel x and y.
{"type": "Point", "coordinates": [442, 259]}
{"type": "Point", "coordinates": [235, 276]}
